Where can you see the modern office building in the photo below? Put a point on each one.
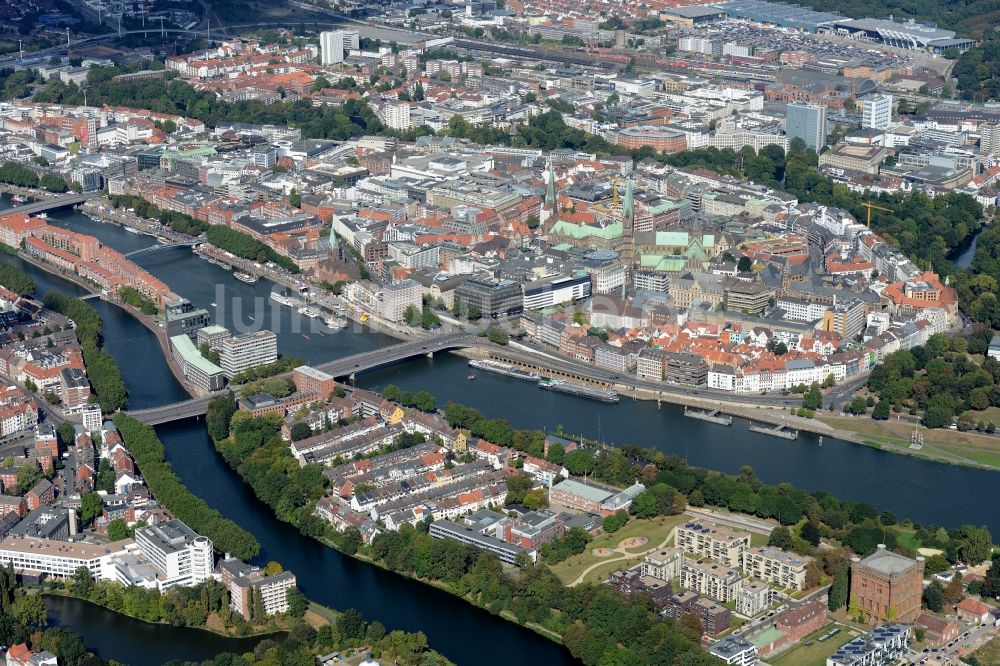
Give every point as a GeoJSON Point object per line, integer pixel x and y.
{"type": "Point", "coordinates": [182, 318]}
{"type": "Point", "coordinates": [807, 122]}
{"type": "Point", "coordinates": [507, 552]}
{"type": "Point", "coordinates": [492, 296]}
{"type": "Point", "coordinates": [179, 555]}
{"type": "Point", "coordinates": [198, 371]}
{"type": "Point", "coordinates": [335, 44]}
{"type": "Point", "coordinates": [554, 291]}
{"type": "Point", "coordinates": [212, 336]}
{"type": "Point", "coordinates": [243, 352]}
{"type": "Point", "coordinates": [876, 112]}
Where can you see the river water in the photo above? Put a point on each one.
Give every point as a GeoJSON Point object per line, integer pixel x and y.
{"type": "Point", "coordinates": [130, 641]}
{"type": "Point", "coordinates": [922, 490]}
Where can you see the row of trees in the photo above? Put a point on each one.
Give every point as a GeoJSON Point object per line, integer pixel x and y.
{"type": "Point", "coordinates": [102, 369]}
{"type": "Point", "coordinates": [148, 452]}
{"type": "Point", "coordinates": [14, 173]}
{"type": "Point", "coordinates": [422, 400]}
{"type": "Point", "coordinates": [16, 280]}
{"type": "Point", "coordinates": [136, 299]}
{"type": "Point", "coordinates": [246, 246]}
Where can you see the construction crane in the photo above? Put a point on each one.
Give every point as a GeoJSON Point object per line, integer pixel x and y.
{"type": "Point", "coordinates": [869, 205]}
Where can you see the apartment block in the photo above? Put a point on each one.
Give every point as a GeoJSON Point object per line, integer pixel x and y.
{"type": "Point", "coordinates": [245, 580]}
{"type": "Point", "coordinates": [776, 566]}
{"type": "Point", "coordinates": [711, 580]}
{"type": "Point", "coordinates": [664, 564]}
{"type": "Point", "coordinates": [717, 542]}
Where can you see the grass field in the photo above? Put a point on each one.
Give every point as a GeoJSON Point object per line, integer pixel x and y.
{"type": "Point", "coordinates": [946, 445]}
{"type": "Point", "coordinates": [654, 529]}
{"type": "Point", "coordinates": [989, 653]}
{"type": "Point", "coordinates": [815, 654]}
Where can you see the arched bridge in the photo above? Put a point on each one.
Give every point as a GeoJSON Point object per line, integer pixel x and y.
{"type": "Point", "coordinates": [340, 368]}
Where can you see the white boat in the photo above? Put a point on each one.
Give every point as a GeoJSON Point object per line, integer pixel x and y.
{"type": "Point", "coordinates": [132, 230]}
{"type": "Point", "coordinates": [312, 313]}
{"type": "Point", "coordinates": [42, 216]}
{"type": "Point", "coordinates": [245, 277]}
{"type": "Point", "coordinates": [335, 323]}
{"type": "Point", "coordinates": [280, 298]}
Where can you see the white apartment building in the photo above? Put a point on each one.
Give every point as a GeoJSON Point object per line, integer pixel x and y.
{"type": "Point", "coordinates": [797, 309]}
{"type": "Point", "coordinates": [719, 543]}
{"type": "Point", "coordinates": [876, 112]}
{"type": "Point", "coordinates": [393, 299]}
{"type": "Point", "coordinates": [712, 580]}
{"type": "Point", "coordinates": [665, 564]}
{"type": "Point", "coordinates": [242, 352]}
{"type": "Point", "coordinates": [754, 598]}
{"type": "Point", "coordinates": [396, 114]}
{"type": "Point", "coordinates": [772, 565]}
{"type": "Point", "coordinates": [335, 44]}
{"type": "Point", "coordinates": [179, 555]}
{"type": "Point", "coordinates": [62, 558]}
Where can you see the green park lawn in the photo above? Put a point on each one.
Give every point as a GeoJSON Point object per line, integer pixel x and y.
{"type": "Point", "coordinates": [815, 654]}
{"type": "Point", "coordinates": [654, 529]}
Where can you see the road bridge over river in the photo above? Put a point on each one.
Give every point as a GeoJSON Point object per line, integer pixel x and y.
{"type": "Point", "coordinates": [341, 368]}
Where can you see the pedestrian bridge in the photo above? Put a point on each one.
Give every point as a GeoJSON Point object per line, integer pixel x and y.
{"type": "Point", "coordinates": [164, 246]}
{"type": "Point", "coordinates": [341, 368]}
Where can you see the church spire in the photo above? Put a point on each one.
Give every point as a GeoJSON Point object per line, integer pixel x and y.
{"type": "Point", "coordinates": [628, 206]}
{"type": "Point", "coordinates": [550, 189]}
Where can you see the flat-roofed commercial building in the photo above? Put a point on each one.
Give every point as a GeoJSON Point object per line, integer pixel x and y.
{"type": "Point", "coordinates": [553, 291]}
{"type": "Point", "coordinates": [198, 371]}
{"type": "Point", "coordinates": [179, 554]}
{"type": "Point", "coordinates": [62, 558]}
{"type": "Point", "coordinates": [493, 296]}
{"type": "Point", "coordinates": [243, 352]}
{"type": "Point", "coordinates": [507, 552]}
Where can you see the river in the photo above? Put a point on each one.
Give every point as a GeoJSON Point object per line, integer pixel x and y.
{"type": "Point", "coordinates": [963, 255]}
{"type": "Point", "coordinates": [130, 641]}
{"type": "Point", "coordinates": [925, 491]}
